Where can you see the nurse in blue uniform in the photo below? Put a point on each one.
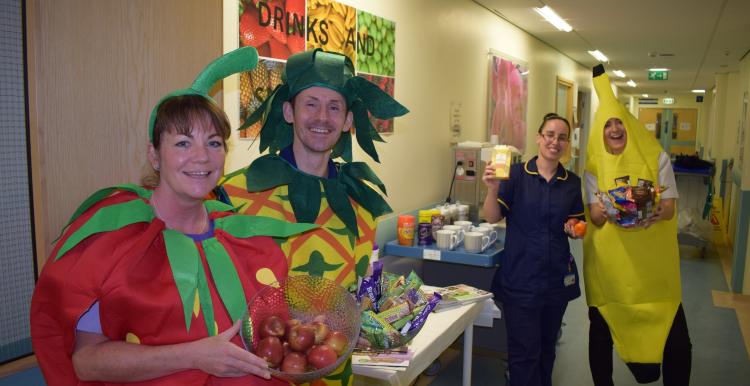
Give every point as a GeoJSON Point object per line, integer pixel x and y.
{"type": "Point", "coordinates": [538, 276]}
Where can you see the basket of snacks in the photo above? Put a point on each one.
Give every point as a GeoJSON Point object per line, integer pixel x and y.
{"type": "Point", "coordinates": [630, 205]}
{"type": "Point", "coordinates": [304, 327]}
{"type": "Point", "coordinates": [393, 309]}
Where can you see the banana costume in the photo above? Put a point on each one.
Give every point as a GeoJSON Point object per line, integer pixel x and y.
{"type": "Point", "coordinates": [631, 275]}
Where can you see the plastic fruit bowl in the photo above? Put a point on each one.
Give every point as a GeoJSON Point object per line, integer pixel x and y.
{"type": "Point", "coordinates": [306, 298]}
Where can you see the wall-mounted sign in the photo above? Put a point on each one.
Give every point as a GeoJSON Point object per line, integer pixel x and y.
{"type": "Point", "coordinates": [281, 28]}
{"type": "Point", "coordinates": [667, 101]}
{"type": "Point", "coordinates": [658, 75]}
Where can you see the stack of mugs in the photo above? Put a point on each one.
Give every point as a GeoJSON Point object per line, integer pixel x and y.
{"type": "Point", "coordinates": [476, 239]}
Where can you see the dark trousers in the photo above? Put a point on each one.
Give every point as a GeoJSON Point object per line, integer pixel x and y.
{"type": "Point", "coordinates": [532, 335]}
{"type": "Point", "coordinates": [677, 354]}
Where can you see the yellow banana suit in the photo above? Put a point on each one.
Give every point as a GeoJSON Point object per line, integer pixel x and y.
{"type": "Point", "coordinates": [632, 275]}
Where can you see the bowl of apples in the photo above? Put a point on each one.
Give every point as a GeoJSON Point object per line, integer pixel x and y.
{"type": "Point", "coordinates": [304, 327]}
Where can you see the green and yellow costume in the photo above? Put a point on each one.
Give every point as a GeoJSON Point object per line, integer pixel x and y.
{"type": "Point", "coordinates": [632, 275]}
{"type": "Point", "coordinates": [345, 206]}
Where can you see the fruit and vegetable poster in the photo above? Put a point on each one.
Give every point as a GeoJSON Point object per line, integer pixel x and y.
{"type": "Point", "coordinates": [280, 28]}
{"type": "Point", "coordinates": [507, 101]}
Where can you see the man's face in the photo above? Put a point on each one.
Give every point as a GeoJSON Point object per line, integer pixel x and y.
{"type": "Point", "coordinates": [319, 116]}
{"type": "Point", "coordinates": [615, 135]}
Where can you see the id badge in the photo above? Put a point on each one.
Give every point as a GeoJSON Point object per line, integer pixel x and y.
{"type": "Point", "coordinates": [569, 280]}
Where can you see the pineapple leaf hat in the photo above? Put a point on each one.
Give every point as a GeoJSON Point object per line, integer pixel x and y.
{"type": "Point", "coordinates": [318, 68]}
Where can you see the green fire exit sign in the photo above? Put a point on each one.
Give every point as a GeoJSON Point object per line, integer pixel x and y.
{"type": "Point", "coordinates": [658, 75]}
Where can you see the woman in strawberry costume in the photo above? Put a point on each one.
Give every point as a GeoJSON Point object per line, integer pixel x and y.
{"type": "Point", "coordinates": [147, 284]}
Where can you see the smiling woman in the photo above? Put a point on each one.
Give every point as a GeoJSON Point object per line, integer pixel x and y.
{"type": "Point", "coordinates": [127, 295]}
{"type": "Point", "coordinates": [540, 201]}
{"type": "Point", "coordinates": [187, 154]}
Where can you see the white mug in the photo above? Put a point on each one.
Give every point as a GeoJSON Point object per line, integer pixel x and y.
{"type": "Point", "coordinates": [464, 224]}
{"type": "Point", "coordinates": [458, 229]}
{"type": "Point", "coordinates": [498, 227]}
{"type": "Point", "coordinates": [446, 239]}
{"type": "Point", "coordinates": [475, 242]}
{"type": "Point", "coordinates": [490, 232]}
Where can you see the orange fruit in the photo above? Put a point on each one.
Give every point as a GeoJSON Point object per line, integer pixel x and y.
{"type": "Point", "coordinates": [580, 229]}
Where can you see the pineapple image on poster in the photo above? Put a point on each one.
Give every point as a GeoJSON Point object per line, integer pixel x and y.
{"type": "Point", "coordinates": [255, 87]}
{"type": "Point", "coordinates": [332, 27]}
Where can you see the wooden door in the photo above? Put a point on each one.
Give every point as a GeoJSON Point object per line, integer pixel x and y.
{"type": "Point", "coordinates": [674, 128]}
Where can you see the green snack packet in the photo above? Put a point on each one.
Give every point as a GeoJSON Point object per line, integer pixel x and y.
{"type": "Point", "coordinates": [395, 313]}
{"type": "Point", "coordinates": [379, 332]}
{"type": "Point", "coordinates": [413, 281]}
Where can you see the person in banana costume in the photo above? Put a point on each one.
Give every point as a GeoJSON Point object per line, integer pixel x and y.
{"type": "Point", "coordinates": [632, 275]}
{"type": "Point", "coordinates": [307, 122]}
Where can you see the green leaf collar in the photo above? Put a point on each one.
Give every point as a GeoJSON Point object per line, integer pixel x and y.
{"type": "Point", "coordinates": [306, 190]}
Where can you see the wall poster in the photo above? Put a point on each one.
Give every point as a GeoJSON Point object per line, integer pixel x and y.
{"type": "Point", "coordinates": [507, 101]}
{"type": "Point", "coordinates": [280, 28]}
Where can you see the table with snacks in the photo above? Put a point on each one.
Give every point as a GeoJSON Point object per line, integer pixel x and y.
{"type": "Point", "coordinates": [448, 267]}
{"type": "Point", "coordinates": [438, 333]}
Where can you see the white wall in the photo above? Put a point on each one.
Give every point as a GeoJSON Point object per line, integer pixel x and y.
{"type": "Point", "coordinates": [442, 51]}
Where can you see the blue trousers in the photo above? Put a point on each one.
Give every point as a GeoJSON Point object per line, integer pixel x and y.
{"type": "Point", "coordinates": [532, 336]}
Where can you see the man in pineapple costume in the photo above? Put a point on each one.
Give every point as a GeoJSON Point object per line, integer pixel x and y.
{"type": "Point", "coordinates": [632, 275]}
{"type": "Point", "coordinates": [307, 122]}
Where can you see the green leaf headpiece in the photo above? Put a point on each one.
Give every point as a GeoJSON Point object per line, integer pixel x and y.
{"type": "Point", "coordinates": [318, 68]}
{"type": "Point", "coordinates": [239, 60]}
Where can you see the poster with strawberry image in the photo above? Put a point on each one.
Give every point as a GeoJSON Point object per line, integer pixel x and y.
{"type": "Point", "coordinates": [387, 84]}
{"type": "Point", "coordinates": [276, 28]}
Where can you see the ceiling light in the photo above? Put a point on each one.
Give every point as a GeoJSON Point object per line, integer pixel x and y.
{"type": "Point", "coordinates": [619, 73]}
{"type": "Point", "coordinates": [599, 56]}
{"type": "Point", "coordinates": [553, 18]}
{"type": "Point", "coordinates": [699, 91]}
{"type": "Point", "coordinates": [658, 69]}
{"type": "Point", "coordinates": [644, 95]}
{"type": "Point", "coordinates": [631, 83]}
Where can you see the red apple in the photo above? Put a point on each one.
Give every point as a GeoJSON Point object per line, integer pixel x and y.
{"type": "Point", "coordinates": [272, 326]}
{"type": "Point", "coordinates": [321, 356]}
{"type": "Point", "coordinates": [289, 324]}
{"type": "Point", "coordinates": [301, 337]}
{"type": "Point", "coordinates": [321, 331]}
{"type": "Point", "coordinates": [270, 349]}
{"type": "Point", "coordinates": [294, 363]}
{"type": "Point", "coordinates": [338, 342]}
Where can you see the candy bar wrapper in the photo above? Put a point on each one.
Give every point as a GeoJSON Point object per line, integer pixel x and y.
{"type": "Point", "coordinates": [367, 294]}
{"type": "Point", "coordinates": [370, 288]}
{"type": "Point", "coordinates": [396, 312]}
{"type": "Point", "coordinates": [612, 213]}
{"type": "Point", "coordinates": [421, 317]}
{"type": "Point", "coordinates": [377, 330]}
{"type": "Point", "coordinates": [377, 273]}
{"type": "Point", "coordinates": [401, 322]}
{"type": "Point", "coordinates": [415, 297]}
{"type": "Point", "coordinates": [413, 281]}
{"type": "Point", "coordinates": [391, 285]}
{"type": "Point", "coordinates": [388, 303]}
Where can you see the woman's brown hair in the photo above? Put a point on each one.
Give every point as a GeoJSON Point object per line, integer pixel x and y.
{"type": "Point", "coordinates": [551, 116]}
